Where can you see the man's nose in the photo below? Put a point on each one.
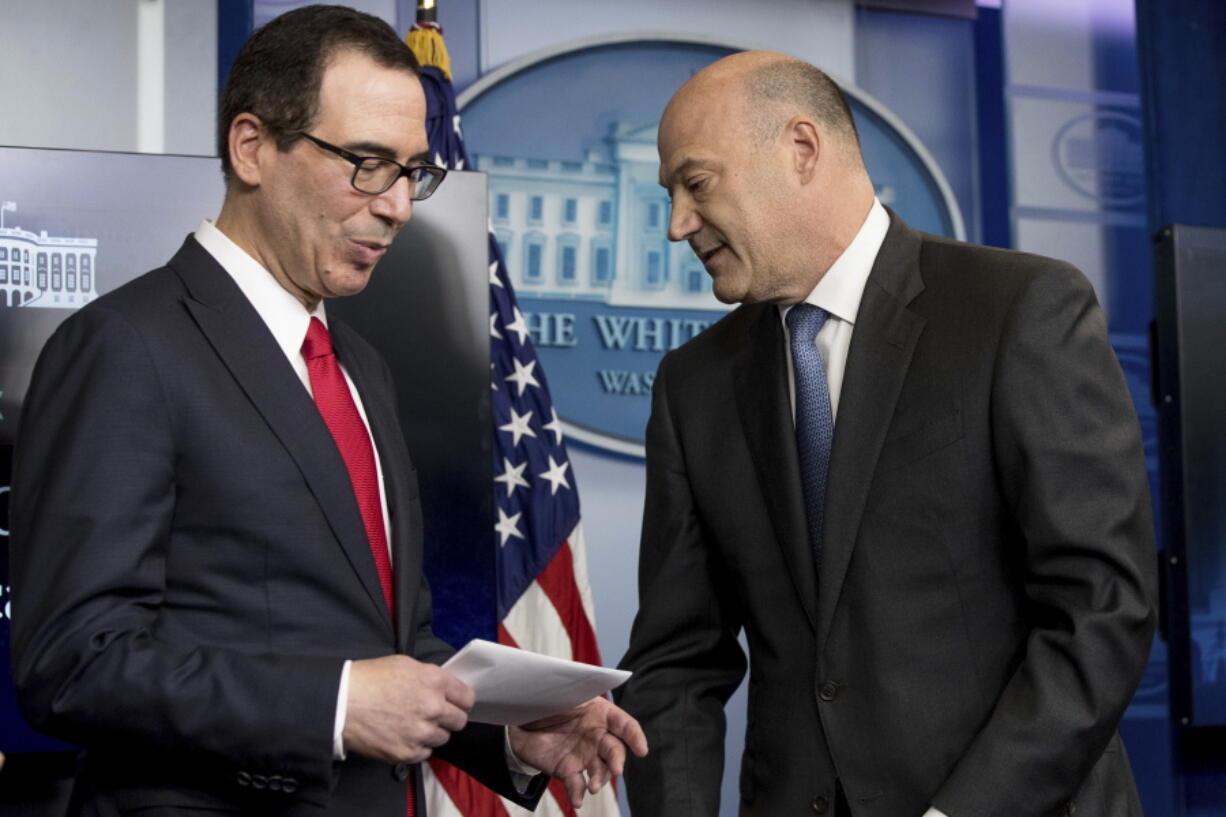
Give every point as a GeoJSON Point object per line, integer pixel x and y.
{"type": "Point", "coordinates": [683, 220]}
{"type": "Point", "coordinates": [395, 204]}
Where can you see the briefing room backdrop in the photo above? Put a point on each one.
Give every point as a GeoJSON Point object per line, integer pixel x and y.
{"type": "Point", "coordinates": [1030, 111]}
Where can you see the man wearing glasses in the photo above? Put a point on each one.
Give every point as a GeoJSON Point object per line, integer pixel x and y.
{"type": "Point", "coordinates": [215, 528]}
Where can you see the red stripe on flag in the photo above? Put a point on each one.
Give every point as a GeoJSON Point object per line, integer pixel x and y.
{"type": "Point", "coordinates": [504, 636]}
{"type": "Point", "coordinates": [561, 798]}
{"type": "Point", "coordinates": [558, 582]}
{"type": "Point", "coordinates": [471, 799]}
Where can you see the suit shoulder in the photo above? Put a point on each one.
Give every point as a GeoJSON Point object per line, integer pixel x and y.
{"type": "Point", "coordinates": [715, 345]}
{"type": "Point", "coordinates": [141, 299]}
{"type": "Point", "coordinates": [995, 273]}
{"type": "Point", "coordinates": [938, 252]}
{"type": "Point", "coordinates": [132, 309]}
{"type": "Point", "coordinates": [729, 332]}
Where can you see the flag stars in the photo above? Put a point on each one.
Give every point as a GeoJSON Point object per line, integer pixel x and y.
{"type": "Point", "coordinates": [512, 475]}
{"type": "Point", "coordinates": [554, 425]}
{"type": "Point", "coordinates": [494, 333]}
{"type": "Point", "coordinates": [523, 377]}
{"type": "Point", "coordinates": [556, 475]}
{"type": "Point", "coordinates": [494, 282]}
{"type": "Point", "coordinates": [518, 427]}
{"type": "Point", "coordinates": [508, 526]}
{"type": "Point", "coordinates": [518, 326]}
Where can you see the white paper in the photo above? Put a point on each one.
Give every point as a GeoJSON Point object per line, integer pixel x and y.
{"type": "Point", "coordinates": [515, 686]}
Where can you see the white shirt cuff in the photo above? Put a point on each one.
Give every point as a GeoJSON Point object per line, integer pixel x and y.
{"type": "Point", "coordinates": [932, 812]}
{"type": "Point", "coordinates": [521, 773]}
{"type": "Point", "coordinates": [342, 705]}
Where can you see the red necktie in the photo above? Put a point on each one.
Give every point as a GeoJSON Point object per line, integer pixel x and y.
{"type": "Point", "coordinates": [341, 415]}
{"type": "Point", "coordinates": [336, 406]}
{"type": "Point", "coordinates": [342, 418]}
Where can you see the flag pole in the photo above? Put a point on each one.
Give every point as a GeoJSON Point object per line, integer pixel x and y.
{"type": "Point", "coordinates": [427, 11]}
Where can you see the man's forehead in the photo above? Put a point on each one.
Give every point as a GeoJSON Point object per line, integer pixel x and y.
{"type": "Point", "coordinates": [695, 131]}
{"type": "Point", "coordinates": [358, 95]}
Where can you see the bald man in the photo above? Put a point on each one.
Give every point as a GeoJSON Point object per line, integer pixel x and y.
{"type": "Point", "coordinates": [906, 469]}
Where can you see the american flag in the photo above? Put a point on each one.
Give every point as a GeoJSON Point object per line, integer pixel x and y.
{"type": "Point", "coordinates": [543, 598]}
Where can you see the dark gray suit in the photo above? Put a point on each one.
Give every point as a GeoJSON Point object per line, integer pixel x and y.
{"type": "Point", "coordinates": [190, 567]}
{"type": "Point", "coordinates": [984, 608]}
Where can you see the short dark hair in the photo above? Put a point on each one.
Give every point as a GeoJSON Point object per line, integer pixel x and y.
{"type": "Point", "coordinates": [278, 71]}
{"type": "Point", "coordinates": [800, 87]}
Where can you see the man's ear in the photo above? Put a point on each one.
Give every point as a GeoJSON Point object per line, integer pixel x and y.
{"type": "Point", "coordinates": [247, 138]}
{"type": "Point", "coordinates": [805, 141]}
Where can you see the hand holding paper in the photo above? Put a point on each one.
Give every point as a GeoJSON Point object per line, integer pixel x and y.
{"type": "Point", "coordinates": [565, 732]}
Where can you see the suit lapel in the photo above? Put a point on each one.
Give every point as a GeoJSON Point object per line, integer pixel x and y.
{"type": "Point", "coordinates": [760, 375]}
{"type": "Point", "coordinates": [882, 344]}
{"type": "Point", "coordinates": [244, 344]}
{"type": "Point", "coordinates": [398, 479]}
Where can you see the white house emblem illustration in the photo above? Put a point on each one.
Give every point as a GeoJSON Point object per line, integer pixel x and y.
{"type": "Point", "coordinates": [42, 271]}
{"type": "Point", "coordinates": [594, 230]}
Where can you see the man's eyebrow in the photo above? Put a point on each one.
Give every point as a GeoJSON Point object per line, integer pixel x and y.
{"type": "Point", "coordinates": [383, 151]}
{"type": "Point", "coordinates": [371, 149]}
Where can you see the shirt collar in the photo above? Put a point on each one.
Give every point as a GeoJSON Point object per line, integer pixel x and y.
{"type": "Point", "coordinates": [284, 314]}
{"type": "Point", "coordinates": [840, 290]}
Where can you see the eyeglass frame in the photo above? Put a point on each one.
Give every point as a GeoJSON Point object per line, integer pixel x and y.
{"type": "Point", "coordinates": [438, 173]}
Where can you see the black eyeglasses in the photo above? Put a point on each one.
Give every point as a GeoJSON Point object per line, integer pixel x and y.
{"type": "Point", "coordinates": [375, 174]}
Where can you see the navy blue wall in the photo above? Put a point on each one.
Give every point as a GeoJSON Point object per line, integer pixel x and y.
{"type": "Point", "coordinates": [1182, 65]}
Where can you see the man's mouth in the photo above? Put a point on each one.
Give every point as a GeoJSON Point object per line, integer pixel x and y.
{"type": "Point", "coordinates": [706, 255]}
{"type": "Point", "coordinates": [369, 251]}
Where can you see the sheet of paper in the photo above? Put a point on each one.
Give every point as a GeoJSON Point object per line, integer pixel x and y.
{"type": "Point", "coordinates": [516, 686]}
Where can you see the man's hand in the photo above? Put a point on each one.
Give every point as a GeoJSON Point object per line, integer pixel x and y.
{"type": "Point", "coordinates": [591, 738]}
{"type": "Point", "coordinates": [400, 709]}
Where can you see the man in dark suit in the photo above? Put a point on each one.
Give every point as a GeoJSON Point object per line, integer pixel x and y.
{"type": "Point", "coordinates": [216, 537]}
{"type": "Point", "coordinates": [907, 469]}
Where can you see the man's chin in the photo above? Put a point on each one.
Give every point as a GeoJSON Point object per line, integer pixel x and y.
{"type": "Point", "coordinates": [351, 282]}
{"type": "Point", "coordinates": [729, 292]}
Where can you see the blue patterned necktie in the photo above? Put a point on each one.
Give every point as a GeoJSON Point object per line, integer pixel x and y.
{"type": "Point", "coordinates": [814, 421]}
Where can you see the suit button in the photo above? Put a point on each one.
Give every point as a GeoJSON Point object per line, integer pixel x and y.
{"type": "Point", "coordinates": [289, 785]}
{"type": "Point", "coordinates": [401, 772]}
{"type": "Point", "coordinates": [820, 805]}
{"type": "Point", "coordinates": [244, 779]}
{"type": "Point", "coordinates": [274, 782]}
{"type": "Point", "coordinates": [259, 781]}
{"type": "Point", "coordinates": [829, 691]}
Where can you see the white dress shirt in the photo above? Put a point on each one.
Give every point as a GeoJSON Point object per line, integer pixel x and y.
{"type": "Point", "coordinates": [839, 292]}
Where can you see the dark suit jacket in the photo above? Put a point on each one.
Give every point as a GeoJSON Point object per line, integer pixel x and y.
{"type": "Point", "coordinates": [984, 608]}
{"type": "Point", "coordinates": [189, 563]}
